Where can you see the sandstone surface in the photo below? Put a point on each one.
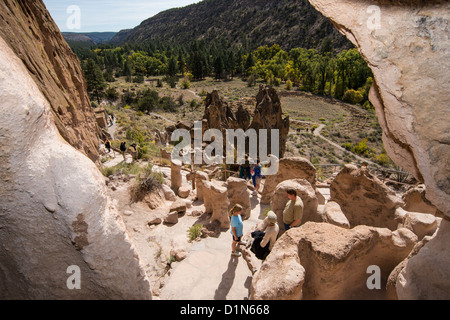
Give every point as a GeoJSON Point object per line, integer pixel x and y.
{"type": "Point", "coordinates": [288, 168]}
{"type": "Point", "coordinates": [364, 199]}
{"type": "Point", "coordinates": [322, 261]}
{"type": "Point", "coordinates": [55, 212]}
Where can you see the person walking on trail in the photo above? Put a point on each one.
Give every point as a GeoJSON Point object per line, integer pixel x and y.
{"type": "Point", "coordinates": [237, 228]}
{"type": "Point", "coordinates": [256, 176]}
{"type": "Point", "coordinates": [108, 145]}
{"type": "Point", "coordinates": [123, 149]}
{"type": "Point", "coordinates": [293, 212]}
{"type": "Point", "coordinates": [134, 151]}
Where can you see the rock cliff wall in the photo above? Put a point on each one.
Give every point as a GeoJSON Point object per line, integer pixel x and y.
{"type": "Point", "coordinates": [29, 30]}
{"type": "Point", "coordinates": [406, 45]}
{"type": "Point", "coordinates": [61, 237]}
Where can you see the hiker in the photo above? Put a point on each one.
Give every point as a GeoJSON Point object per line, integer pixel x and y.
{"type": "Point", "coordinates": [108, 145]}
{"type": "Point", "coordinates": [244, 170]}
{"type": "Point", "coordinates": [123, 149]}
{"type": "Point", "coordinates": [293, 212]}
{"type": "Point", "coordinates": [264, 240]}
{"type": "Point", "coordinates": [237, 228]}
{"type": "Point", "coordinates": [271, 229]}
{"type": "Point", "coordinates": [256, 176]}
{"type": "Point", "coordinates": [134, 151]}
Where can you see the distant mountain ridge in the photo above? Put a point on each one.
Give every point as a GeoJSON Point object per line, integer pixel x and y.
{"type": "Point", "coordinates": [89, 37]}
{"type": "Point", "coordinates": [251, 23]}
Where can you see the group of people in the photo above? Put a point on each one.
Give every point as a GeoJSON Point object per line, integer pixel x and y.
{"type": "Point", "coordinates": [265, 238]}
{"type": "Point", "coordinates": [249, 171]}
{"type": "Point", "coordinates": [133, 149]}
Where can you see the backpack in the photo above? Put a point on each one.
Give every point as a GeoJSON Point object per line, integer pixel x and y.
{"type": "Point", "coordinates": [123, 146]}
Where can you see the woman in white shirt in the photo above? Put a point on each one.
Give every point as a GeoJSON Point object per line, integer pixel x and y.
{"type": "Point", "coordinates": [271, 229]}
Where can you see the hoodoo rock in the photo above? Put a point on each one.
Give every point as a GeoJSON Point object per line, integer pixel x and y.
{"type": "Point", "coordinates": [219, 114]}
{"type": "Point", "coordinates": [269, 115]}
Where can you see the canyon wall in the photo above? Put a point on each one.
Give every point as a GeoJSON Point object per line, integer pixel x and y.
{"type": "Point", "coordinates": [29, 30]}
{"type": "Point", "coordinates": [61, 236]}
{"type": "Point", "coordinates": [407, 46]}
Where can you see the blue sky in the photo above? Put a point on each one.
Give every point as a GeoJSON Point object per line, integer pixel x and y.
{"type": "Point", "coordinates": [106, 15]}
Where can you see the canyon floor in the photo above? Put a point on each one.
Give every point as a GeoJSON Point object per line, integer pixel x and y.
{"type": "Point", "coordinates": [207, 270]}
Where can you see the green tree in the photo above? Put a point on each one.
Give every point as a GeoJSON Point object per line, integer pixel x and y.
{"type": "Point", "coordinates": [219, 67]}
{"type": "Point", "coordinates": [96, 84]}
{"type": "Point", "coordinates": [172, 67]}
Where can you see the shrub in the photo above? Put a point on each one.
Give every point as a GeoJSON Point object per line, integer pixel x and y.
{"type": "Point", "coordinates": [352, 96]}
{"type": "Point", "coordinates": [186, 84]}
{"type": "Point", "coordinates": [147, 182]}
{"type": "Point", "coordinates": [194, 232]}
{"type": "Point", "coordinates": [361, 148]}
{"type": "Point", "coordinates": [289, 85]}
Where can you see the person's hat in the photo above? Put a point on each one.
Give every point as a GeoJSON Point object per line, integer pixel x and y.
{"type": "Point", "coordinates": [271, 217]}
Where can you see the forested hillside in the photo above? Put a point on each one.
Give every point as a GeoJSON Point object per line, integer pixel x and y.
{"type": "Point", "coordinates": [249, 23]}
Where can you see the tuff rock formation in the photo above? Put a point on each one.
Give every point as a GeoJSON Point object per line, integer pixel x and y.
{"type": "Point", "coordinates": [29, 30]}
{"type": "Point", "coordinates": [323, 261]}
{"type": "Point", "coordinates": [268, 115]}
{"type": "Point", "coordinates": [406, 45]}
{"type": "Point", "coordinates": [288, 168]}
{"type": "Point", "coordinates": [55, 215]}
{"type": "Point", "coordinates": [238, 193]}
{"type": "Point", "coordinates": [305, 191]}
{"type": "Point", "coordinates": [364, 199]}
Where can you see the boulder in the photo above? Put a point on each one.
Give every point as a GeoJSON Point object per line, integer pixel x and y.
{"type": "Point", "coordinates": [183, 192]}
{"type": "Point", "coordinates": [238, 193]}
{"type": "Point", "coordinates": [178, 206]}
{"type": "Point", "coordinates": [425, 275]}
{"type": "Point", "coordinates": [422, 224]}
{"type": "Point", "coordinates": [305, 191]}
{"type": "Point", "coordinates": [169, 195]}
{"type": "Point", "coordinates": [216, 202]}
{"type": "Point", "coordinates": [289, 168]}
{"type": "Point", "coordinates": [364, 199]}
{"type": "Point", "coordinates": [334, 215]}
{"type": "Point", "coordinates": [320, 261]}
{"type": "Point", "coordinates": [171, 218]}
{"type": "Point", "coordinates": [415, 200]}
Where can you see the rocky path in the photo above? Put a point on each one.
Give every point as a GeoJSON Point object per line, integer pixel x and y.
{"type": "Point", "coordinates": [210, 272]}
